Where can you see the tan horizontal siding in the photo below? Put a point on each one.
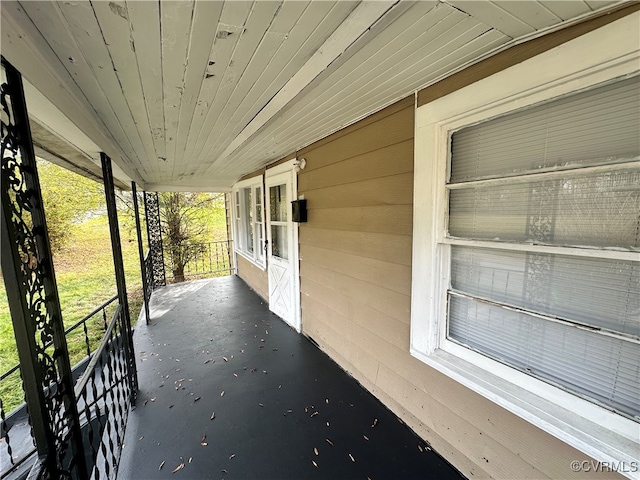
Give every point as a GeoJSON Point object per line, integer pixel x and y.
{"type": "Point", "coordinates": [391, 160]}
{"type": "Point", "coordinates": [394, 220]}
{"type": "Point", "coordinates": [256, 278]}
{"type": "Point", "coordinates": [387, 247]}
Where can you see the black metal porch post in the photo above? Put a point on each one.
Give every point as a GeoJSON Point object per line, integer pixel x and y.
{"type": "Point", "coordinates": [107, 176]}
{"type": "Point", "coordinates": [32, 294]}
{"type": "Point", "coordinates": [143, 271]}
{"type": "Point", "coordinates": [154, 236]}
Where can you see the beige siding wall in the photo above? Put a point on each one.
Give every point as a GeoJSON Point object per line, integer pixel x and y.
{"type": "Point", "coordinates": [253, 276]}
{"type": "Point", "coordinates": [355, 269]}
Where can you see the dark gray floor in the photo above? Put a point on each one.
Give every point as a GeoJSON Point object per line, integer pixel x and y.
{"type": "Point", "coordinates": [283, 409]}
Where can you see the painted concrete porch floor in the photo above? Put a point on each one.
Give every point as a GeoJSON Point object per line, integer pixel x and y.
{"type": "Point", "coordinates": [283, 409]}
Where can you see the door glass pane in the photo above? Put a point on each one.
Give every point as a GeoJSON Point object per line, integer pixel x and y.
{"type": "Point", "coordinates": [278, 203]}
{"type": "Point", "coordinates": [279, 241]}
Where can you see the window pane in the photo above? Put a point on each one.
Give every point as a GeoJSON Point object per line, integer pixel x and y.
{"type": "Point", "coordinates": [592, 291]}
{"type": "Point", "coordinates": [586, 210]}
{"type": "Point", "coordinates": [598, 367]}
{"type": "Point", "coordinates": [258, 204]}
{"type": "Point", "coordinates": [248, 209]}
{"type": "Point", "coordinates": [594, 127]}
{"type": "Point", "coordinates": [278, 203]}
{"type": "Point", "coordinates": [279, 241]}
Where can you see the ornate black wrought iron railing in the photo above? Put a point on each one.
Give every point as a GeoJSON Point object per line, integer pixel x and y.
{"type": "Point", "coordinates": [14, 428]}
{"type": "Point", "coordinates": [199, 260]}
{"type": "Point", "coordinates": [103, 396]}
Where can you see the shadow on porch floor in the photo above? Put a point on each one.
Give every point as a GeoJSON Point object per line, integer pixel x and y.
{"type": "Point", "coordinates": [283, 409]}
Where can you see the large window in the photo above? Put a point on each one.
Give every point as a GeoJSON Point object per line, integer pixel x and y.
{"type": "Point", "coordinates": [249, 221]}
{"type": "Point", "coordinates": [526, 283]}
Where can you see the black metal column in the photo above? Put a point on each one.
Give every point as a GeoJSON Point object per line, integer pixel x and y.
{"type": "Point", "coordinates": [107, 176]}
{"type": "Point", "coordinates": [154, 235]}
{"type": "Point", "coordinates": [143, 272]}
{"type": "Point", "coordinates": [32, 294]}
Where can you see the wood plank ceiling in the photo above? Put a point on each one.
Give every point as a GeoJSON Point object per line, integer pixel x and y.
{"type": "Point", "coordinates": [191, 95]}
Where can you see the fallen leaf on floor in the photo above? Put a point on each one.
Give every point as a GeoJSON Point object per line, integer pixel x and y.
{"type": "Point", "coordinates": [375, 422]}
{"type": "Point", "coordinates": [203, 442]}
{"type": "Point", "coordinates": [352, 459]}
{"type": "Point", "coordinates": [329, 441]}
{"type": "Point", "coordinates": [161, 465]}
{"type": "Point", "coordinates": [213, 415]}
{"type": "Point", "coordinates": [314, 464]}
{"type": "Point", "coordinates": [179, 467]}
{"type": "Point", "coordinates": [315, 450]}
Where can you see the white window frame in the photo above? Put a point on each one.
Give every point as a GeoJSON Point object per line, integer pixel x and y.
{"type": "Point", "coordinates": [257, 257]}
{"type": "Point", "coordinates": [613, 53]}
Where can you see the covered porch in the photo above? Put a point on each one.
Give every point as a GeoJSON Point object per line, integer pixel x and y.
{"type": "Point", "coordinates": [283, 409]}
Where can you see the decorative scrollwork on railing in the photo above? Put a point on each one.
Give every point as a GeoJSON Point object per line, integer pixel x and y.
{"type": "Point", "coordinates": [154, 234]}
{"type": "Point", "coordinates": [34, 286]}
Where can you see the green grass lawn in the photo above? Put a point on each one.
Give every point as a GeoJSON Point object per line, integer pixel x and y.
{"type": "Point", "coordinates": [86, 279]}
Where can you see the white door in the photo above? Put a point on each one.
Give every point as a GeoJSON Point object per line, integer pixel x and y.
{"type": "Point", "coordinates": [282, 247]}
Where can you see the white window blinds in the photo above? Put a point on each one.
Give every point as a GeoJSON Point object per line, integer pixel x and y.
{"type": "Point", "coordinates": [565, 173]}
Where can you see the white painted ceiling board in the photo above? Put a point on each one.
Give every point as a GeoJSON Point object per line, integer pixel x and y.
{"type": "Point", "coordinates": [255, 51]}
{"type": "Point", "coordinates": [419, 28]}
{"type": "Point", "coordinates": [23, 45]}
{"type": "Point", "coordinates": [228, 34]}
{"type": "Point", "coordinates": [144, 18]}
{"type": "Point", "coordinates": [494, 15]}
{"type": "Point", "coordinates": [264, 88]}
{"type": "Point", "coordinates": [566, 9]}
{"type": "Point", "coordinates": [175, 27]}
{"type": "Point", "coordinates": [116, 32]}
{"type": "Point", "coordinates": [349, 37]}
{"type": "Point", "coordinates": [536, 14]}
{"type": "Point", "coordinates": [300, 44]}
{"type": "Point", "coordinates": [598, 4]}
{"type": "Point", "coordinates": [206, 14]}
{"type": "Point", "coordinates": [81, 22]}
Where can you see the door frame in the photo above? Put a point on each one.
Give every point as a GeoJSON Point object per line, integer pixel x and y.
{"type": "Point", "coordinates": [294, 251]}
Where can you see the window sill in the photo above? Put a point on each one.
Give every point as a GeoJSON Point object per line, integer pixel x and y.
{"type": "Point", "coordinates": [249, 258]}
{"type": "Point", "coordinates": [587, 427]}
